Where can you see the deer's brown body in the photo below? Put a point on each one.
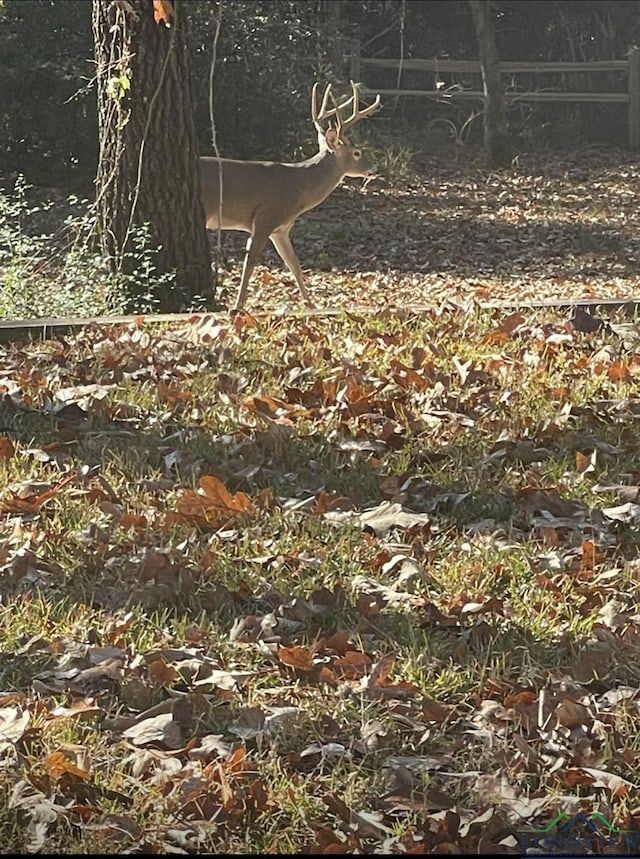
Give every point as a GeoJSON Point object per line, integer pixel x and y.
{"type": "Point", "coordinates": [264, 198]}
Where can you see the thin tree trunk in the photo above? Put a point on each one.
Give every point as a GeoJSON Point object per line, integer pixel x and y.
{"type": "Point", "coordinates": [148, 168]}
{"type": "Point", "coordinates": [331, 15]}
{"type": "Point", "coordinates": [496, 142]}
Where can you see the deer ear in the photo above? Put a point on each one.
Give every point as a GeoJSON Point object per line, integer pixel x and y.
{"type": "Point", "coordinates": [332, 139]}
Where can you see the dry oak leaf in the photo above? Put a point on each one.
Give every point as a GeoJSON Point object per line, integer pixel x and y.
{"type": "Point", "coordinates": [161, 729]}
{"type": "Point", "coordinates": [13, 724]}
{"type": "Point", "coordinates": [503, 332]}
{"type": "Point", "coordinates": [300, 658]}
{"type": "Point", "coordinates": [274, 409]}
{"type": "Point", "coordinates": [163, 11]}
{"type": "Point", "coordinates": [380, 519]}
{"type": "Point", "coordinates": [161, 673]}
{"type": "Point", "coordinates": [598, 778]}
{"type": "Point", "coordinates": [433, 711]}
{"type": "Point", "coordinates": [572, 714]}
{"type": "Point", "coordinates": [211, 498]}
{"type": "Point", "coordinates": [57, 765]}
{"type": "Point", "coordinates": [28, 497]}
{"type": "Point", "coordinates": [79, 708]}
{"type": "Point", "coordinates": [7, 448]}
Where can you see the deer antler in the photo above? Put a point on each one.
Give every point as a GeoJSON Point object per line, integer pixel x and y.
{"type": "Point", "coordinates": [325, 113]}
{"type": "Point", "coordinates": [357, 114]}
{"type": "Point", "coordinates": [318, 116]}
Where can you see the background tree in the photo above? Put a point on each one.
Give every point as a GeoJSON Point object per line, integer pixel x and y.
{"type": "Point", "coordinates": [147, 167]}
{"type": "Point", "coordinates": [47, 112]}
{"type": "Point", "coordinates": [496, 142]}
{"type": "Point", "coordinates": [279, 47]}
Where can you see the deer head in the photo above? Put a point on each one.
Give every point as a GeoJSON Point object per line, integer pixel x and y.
{"type": "Point", "coordinates": [333, 138]}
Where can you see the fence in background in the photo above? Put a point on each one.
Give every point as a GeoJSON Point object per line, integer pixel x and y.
{"type": "Point", "coordinates": [630, 67]}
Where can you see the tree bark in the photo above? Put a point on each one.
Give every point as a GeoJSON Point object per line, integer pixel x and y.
{"type": "Point", "coordinates": [496, 142]}
{"type": "Point", "coordinates": [148, 162]}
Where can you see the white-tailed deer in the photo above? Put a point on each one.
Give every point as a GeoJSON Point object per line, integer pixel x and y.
{"type": "Point", "coordinates": [265, 198]}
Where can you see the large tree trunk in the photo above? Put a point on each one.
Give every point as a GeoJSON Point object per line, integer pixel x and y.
{"type": "Point", "coordinates": [496, 143]}
{"type": "Point", "coordinates": [148, 164]}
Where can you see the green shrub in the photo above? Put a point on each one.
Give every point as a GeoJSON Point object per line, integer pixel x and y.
{"type": "Point", "coordinates": [50, 265]}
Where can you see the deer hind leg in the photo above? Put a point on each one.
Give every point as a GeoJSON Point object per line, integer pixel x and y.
{"type": "Point", "coordinates": [255, 245]}
{"type": "Point", "coordinates": [282, 243]}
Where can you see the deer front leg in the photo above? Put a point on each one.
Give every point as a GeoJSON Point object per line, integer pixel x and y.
{"type": "Point", "coordinates": [255, 245]}
{"type": "Point", "coordinates": [282, 243]}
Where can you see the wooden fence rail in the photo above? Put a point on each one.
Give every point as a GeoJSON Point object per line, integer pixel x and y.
{"type": "Point", "coordinates": [630, 67]}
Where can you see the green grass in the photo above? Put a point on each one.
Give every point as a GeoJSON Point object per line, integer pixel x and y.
{"type": "Point", "coordinates": [468, 659]}
{"type": "Point", "coordinates": [501, 598]}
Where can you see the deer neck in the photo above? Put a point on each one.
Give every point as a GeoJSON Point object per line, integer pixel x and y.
{"type": "Point", "coordinates": [319, 176]}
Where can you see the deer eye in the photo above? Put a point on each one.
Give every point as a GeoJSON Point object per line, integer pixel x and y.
{"type": "Point", "coordinates": [357, 153]}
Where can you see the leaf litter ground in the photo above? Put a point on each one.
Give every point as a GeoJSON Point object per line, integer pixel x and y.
{"type": "Point", "coordinates": [355, 584]}
{"type": "Point", "coordinates": [550, 227]}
